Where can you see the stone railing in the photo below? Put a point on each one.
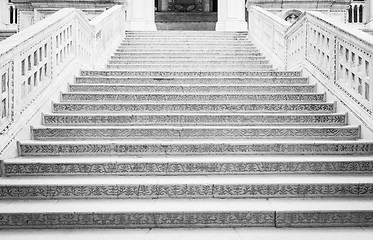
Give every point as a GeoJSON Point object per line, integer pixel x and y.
{"type": "Point", "coordinates": [336, 55]}
{"type": "Point", "coordinates": [39, 61]}
{"type": "Point", "coordinates": [270, 31]}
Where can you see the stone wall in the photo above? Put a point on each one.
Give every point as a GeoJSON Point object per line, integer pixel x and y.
{"type": "Point", "coordinates": [31, 11]}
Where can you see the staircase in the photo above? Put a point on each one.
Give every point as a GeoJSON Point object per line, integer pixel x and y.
{"type": "Point", "coordinates": [190, 130]}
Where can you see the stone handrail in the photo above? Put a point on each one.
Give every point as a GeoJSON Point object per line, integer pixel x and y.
{"type": "Point", "coordinates": [37, 62]}
{"type": "Point", "coordinates": [333, 53]}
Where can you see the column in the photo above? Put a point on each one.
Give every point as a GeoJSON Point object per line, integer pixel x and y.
{"type": "Point", "coordinates": [370, 15]}
{"type": "Point", "coordinates": [140, 15]}
{"type": "Point", "coordinates": [231, 15]}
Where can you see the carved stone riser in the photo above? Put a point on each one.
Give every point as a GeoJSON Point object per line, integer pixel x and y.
{"type": "Point", "coordinates": [164, 148]}
{"type": "Point", "coordinates": [128, 220]}
{"type": "Point", "coordinates": [188, 191]}
{"type": "Point", "coordinates": [204, 40]}
{"type": "Point", "coordinates": [221, 59]}
{"type": "Point", "coordinates": [166, 40]}
{"type": "Point", "coordinates": [185, 43]}
{"type": "Point", "coordinates": [332, 133]}
{"type": "Point", "coordinates": [216, 34]}
{"type": "Point", "coordinates": [160, 74]}
{"type": "Point", "coordinates": [196, 107]}
{"type": "Point", "coordinates": [214, 37]}
{"type": "Point", "coordinates": [200, 49]}
{"type": "Point", "coordinates": [187, 54]}
{"type": "Point", "coordinates": [192, 62]}
{"type": "Point", "coordinates": [195, 119]}
{"type": "Point", "coordinates": [212, 89]}
{"type": "Point", "coordinates": [187, 168]}
{"type": "Point", "coordinates": [185, 46]}
{"type": "Point", "coordinates": [209, 98]}
{"type": "Point", "coordinates": [199, 38]}
{"type": "Point", "coordinates": [216, 219]}
{"type": "Point", "coordinates": [189, 81]}
{"type": "Point", "coordinates": [179, 67]}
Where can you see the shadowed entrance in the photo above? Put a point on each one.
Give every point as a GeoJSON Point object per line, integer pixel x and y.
{"type": "Point", "coordinates": [186, 15]}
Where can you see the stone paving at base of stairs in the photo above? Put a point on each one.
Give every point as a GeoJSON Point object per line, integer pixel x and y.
{"type": "Point", "coordinates": [194, 234]}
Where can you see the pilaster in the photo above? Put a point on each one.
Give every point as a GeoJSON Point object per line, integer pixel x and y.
{"type": "Point", "coordinates": [369, 24]}
{"type": "Point", "coordinates": [141, 15]}
{"type": "Point", "coordinates": [231, 15]}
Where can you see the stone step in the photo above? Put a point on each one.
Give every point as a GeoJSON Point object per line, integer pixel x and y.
{"type": "Point", "coordinates": [194, 147]}
{"type": "Point", "coordinates": [184, 42]}
{"type": "Point", "coordinates": [183, 119]}
{"type": "Point", "coordinates": [168, 88]}
{"type": "Point", "coordinates": [165, 97]}
{"type": "Point", "coordinates": [186, 187]}
{"type": "Point", "coordinates": [187, 54]}
{"type": "Point", "coordinates": [177, 213]}
{"type": "Point", "coordinates": [183, 61]}
{"type": "Point", "coordinates": [191, 80]}
{"type": "Point", "coordinates": [187, 45]}
{"type": "Point", "coordinates": [222, 107]}
{"type": "Point", "coordinates": [189, 39]}
{"type": "Point", "coordinates": [189, 58]}
{"type": "Point", "coordinates": [187, 34]}
{"type": "Point", "coordinates": [194, 67]}
{"type": "Point", "coordinates": [184, 37]}
{"type": "Point", "coordinates": [195, 52]}
{"type": "Point", "coordinates": [190, 74]}
{"type": "Point", "coordinates": [169, 47]}
{"type": "Point", "coordinates": [195, 132]}
{"type": "Point", "coordinates": [189, 165]}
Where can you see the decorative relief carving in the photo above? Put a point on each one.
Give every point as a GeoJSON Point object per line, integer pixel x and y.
{"type": "Point", "coordinates": [185, 191]}
{"type": "Point", "coordinates": [136, 220]}
{"type": "Point", "coordinates": [189, 168]}
{"type": "Point", "coordinates": [191, 74]}
{"type": "Point", "coordinates": [196, 119]}
{"type": "Point", "coordinates": [196, 97]}
{"type": "Point", "coordinates": [160, 81]}
{"type": "Point", "coordinates": [341, 148]}
{"type": "Point", "coordinates": [212, 89]}
{"type": "Point", "coordinates": [325, 219]}
{"type": "Point", "coordinates": [196, 133]}
{"type": "Point", "coordinates": [197, 107]}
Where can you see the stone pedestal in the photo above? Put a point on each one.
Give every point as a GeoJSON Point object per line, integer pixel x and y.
{"type": "Point", "coordinates": [231, 15]}
{"type": "Point", "coordinates": [140, 15]}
